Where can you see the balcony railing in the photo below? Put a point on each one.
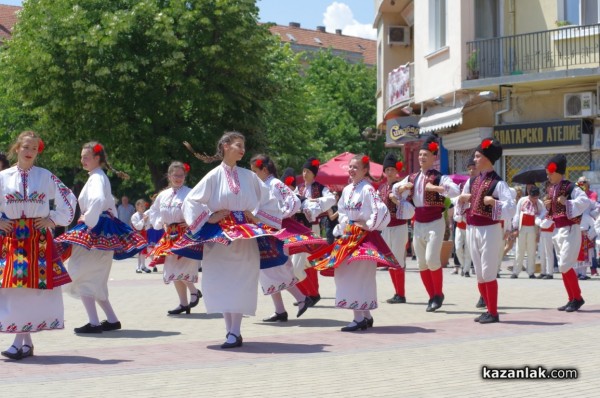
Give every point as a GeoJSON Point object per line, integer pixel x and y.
{"type": "Point", "coordinates": [565, 48]}
{"type": "Point", "coordinates": [401, 85]}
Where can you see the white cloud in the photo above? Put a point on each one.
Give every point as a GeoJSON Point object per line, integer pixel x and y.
{"type": "Point", "coordinates": [340, 16]}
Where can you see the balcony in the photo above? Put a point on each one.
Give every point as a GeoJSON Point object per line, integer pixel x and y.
{"type": "Point", "coordinates": [562, 49]}
{"type": "Point", "coordinates": [400, 86]}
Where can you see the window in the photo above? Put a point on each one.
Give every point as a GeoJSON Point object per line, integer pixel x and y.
{"type": "Point", "coordinates": [487, 19]}
{"type": "Point", "coordinates": [437, 24]}
{"type": "Point", "coordinates": [579, 12]}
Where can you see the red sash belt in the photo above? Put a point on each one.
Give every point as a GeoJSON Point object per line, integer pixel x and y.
{"type": "Point", "coordinates": [528, 220]}
{"type": "Point", "coordinates": [461, 225]}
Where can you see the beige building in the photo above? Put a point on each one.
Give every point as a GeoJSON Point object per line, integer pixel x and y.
{"type": "Point", "coordinates": [525, 72]}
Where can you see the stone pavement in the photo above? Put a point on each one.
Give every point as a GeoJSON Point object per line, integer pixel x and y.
{"type": "Point", "coordinates": [409, 352]}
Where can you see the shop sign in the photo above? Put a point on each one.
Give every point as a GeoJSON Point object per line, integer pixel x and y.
{"type": "Point", "coordinates": [542, 134]}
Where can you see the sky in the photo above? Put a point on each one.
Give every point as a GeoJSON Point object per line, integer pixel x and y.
{"type": "Point", "coordinates": [354, 17]}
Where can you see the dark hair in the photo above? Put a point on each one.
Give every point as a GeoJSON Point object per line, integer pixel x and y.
{"type": "Point", "coordinates": [267, 163]}
{"type": "Point", "coordinates": [4, 163]}
{"type": "Point", "coordinates": [98, 150]}
{"type": "Point", "coordinates": [226, 138]}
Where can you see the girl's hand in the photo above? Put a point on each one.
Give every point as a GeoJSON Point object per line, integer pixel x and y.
{"type": "Point", "coordinates": [6, 225]}
{"type": "Point", "coordinates": [217, 216]}
{"type": "Point", "coordinates": [253, 219]}
{"type": "Point", "coordinates": [44, 222]}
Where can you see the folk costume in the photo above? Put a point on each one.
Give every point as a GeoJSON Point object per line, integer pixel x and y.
{"type": "Point", "coordinates": [546, 248]}
{"type": "Point", "coordinates": [430, 224]}
{"type": "Point", "coordinates": [567, 235]}
{"type": "Point", "coordinates": [31, 271]}
{"type": "Point", "coordinates": [142, 226]}
{"type": "Point", "coordinates": [395, 234]}
{"type": "Point", "coordinates": [529, 214]}
{"type": "Point", "coordinates": [357, 253]}
{"type": "Point", "coordinates": [316, 200]}
{"type": "Point", "coordinates": [484, 226]}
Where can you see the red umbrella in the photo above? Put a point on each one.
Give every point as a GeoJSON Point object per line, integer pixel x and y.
{"type": "Point", "coordinates": [334, 173]}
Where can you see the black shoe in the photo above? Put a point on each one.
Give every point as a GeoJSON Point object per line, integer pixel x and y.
{"type": "Point", "coordinates": [436, 303]}
{"type": "Point", "coordinates": [307, 303]}
{"type": "Point", "coordinates": [575, 305]}
{"type": "Point", "coordinates": [455, 272]}
{"type": "Point", "coordinates": [146, 270]}
{"type": "Point", "coordinates": [479, 317]}
{"type": "Point", "coordinates": [88, 328]}
{"type": "Point", "coordinates": [154, 269]}
{"type": "Point", "coordinates": [362, 325]}
{"type": "Point", "coordinates": [532, 276]}
{"type": "Point", "coordinates": [28, 353]}
{"type": "Point", "coordinates": [13, 355]}
{"type": "Point", "coordinates": [238, 342]}
{"type": "Point", "coordinates": [541, 276]}
{"type": "Point", "coordinates": [513, 276]}
{"type": "Point", "coordinates": [548, 276]}
{"type": "Point", "coordinates": [429, 306]}
{"type": "Point", "coordinates": [180, 309]}
{"type": "Point", "coordinates": [564, 307]}
{"type": "Point", "coordinates": [489, 318]}
{"type": "Point", "coordinates": [108, 326]}
{"type": "Point", "coordinates": [195, 302]}
{"type": "Point", "coordinates": [283, 317]}
{"type": "Point", "coordinates": [481, 303]}
{"type": "Point", "coordinates": [396, 300]}
{"type": "Point", "coordinates": [138, 271]}
{"type": "Point", "coordinates": [369, 322]}
{"type": "Point", "coordinates": [467, 275]}
{"type": "Point", "coordinates": [315, 299]}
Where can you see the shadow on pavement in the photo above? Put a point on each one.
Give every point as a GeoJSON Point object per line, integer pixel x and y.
{"type": "Point", "coordinates": [525, 308]}
{"type": "Point", "coordinates": [197, 315]}
{"type": "Point", "coordinates": [399, 330]}
{"type": "Point", "coordinates": [70, 359]}
{"type": "Point", "coordinates": [538, 323]}
{"type": "Point", "coordinates": [268, 347]}
{"type": "Point", "coordinates": [131, 334]}
{"type": "Point", "coordinates": [304, 322]}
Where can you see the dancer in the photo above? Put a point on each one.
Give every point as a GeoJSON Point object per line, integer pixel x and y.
{"type": "Point", "coordinates": [220, 211]}
{"type": "Point", "coordinates": [428, 189]}
{"type": "Point", "coordinates": [166, 213]}
{"type": "Point", "coordinates": [529, 214]}
{"type": "Point", "coordinates": [140, 222]}
{"type": "Point", "coordinates": [95, 240]}
{"type": "Point", "coordinates": [31, 272]}
{"type": "Point", "coordinates": [316, 200]}
{"type": "Point", "coordinates": [488, 201]}
{"type": "Point", "coordinates": [360, 249]}
{"type": "Point", "coordinates": [461, 243]}
{"type": "Point", "coordinates": [275, 279]}
{"type": "Point", "coordinates": [566, 203]}
{"type": "Point", "coordinates": [395, 234]}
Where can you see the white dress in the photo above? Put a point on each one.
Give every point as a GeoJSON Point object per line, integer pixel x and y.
{"type": "Point", "coordinates": [230, 272]}
{"type": "Point", "coordinates": [26, 194]}
{"type": "Point", "coordinates": [356, 287]}
{"type": "Point", "coordinates": [89, 269]}
{"type": "Point", "coordinates": [276, 279]}
{"type": "Point", "coordinates": [167, 210]}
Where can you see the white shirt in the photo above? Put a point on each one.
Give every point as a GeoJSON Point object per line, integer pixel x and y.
{"type": "Point", "coordinates": [289, 203]}
{"type": "Point", "coordinates": [96, 197]}
{"type": "Point", "coordinates": [361, 202]}
{"type": "Point", "coordinates": [168, 207]}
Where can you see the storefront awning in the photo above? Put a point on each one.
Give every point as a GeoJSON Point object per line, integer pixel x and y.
{"type": "Point", "coordinates": [440, 118]}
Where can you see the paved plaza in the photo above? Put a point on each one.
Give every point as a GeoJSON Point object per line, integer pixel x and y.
{"type": "Point", "coordinates": [409, 352]}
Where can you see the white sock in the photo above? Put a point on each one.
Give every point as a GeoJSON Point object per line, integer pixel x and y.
{"type": "Point", "coordinates": [90, 307]}
{"type": "Point", "coordinates": [278, 301]}
{"type": "Point", "coordinates": [108, 310]}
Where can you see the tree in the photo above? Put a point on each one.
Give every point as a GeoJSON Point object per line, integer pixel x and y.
{"type": "Point", "coordinates": [139, 75]}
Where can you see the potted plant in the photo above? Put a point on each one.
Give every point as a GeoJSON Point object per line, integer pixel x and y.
{"type": "Point", "coordinates": [473, 66]}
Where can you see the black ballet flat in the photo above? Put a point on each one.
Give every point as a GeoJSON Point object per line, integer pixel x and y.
{"type": "Point", "coordinates": [198, 296]}
{"type": "Point", "coordinates": [362, 325]}
{"type": "Point", "coordinates": [369, 322]}
{"type": "Point", "coordinates": [28, 353]}
{"type": "Point", "coordinates": [13, 355]}
{"type": "Point", "coordinates": [180, 309]}
{"type": "Point", "coordinates": [283, 317]}
{"type": "Point", "coordinates": [308, 302]}
{"type": "Point", "coordinates": [238, 342]}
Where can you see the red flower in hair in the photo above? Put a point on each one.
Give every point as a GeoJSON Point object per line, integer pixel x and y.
{"type": "Point", "coordinates": [147, 205]}
{"type": "Point", "coordinates": [315, 163]}
{"type": "Point", "coordinates": [433, 147]}
{"type": "Point", "coordinates": [97, 148]}
{"type": "Point", "coordinates": [551, 167]}
{"type": "Point", "coordinates": [399, 166]}
{"type": "Point", "coordinates": [41, 146]}
{"type": "Point", "coordinates": [365, 159]}
{"type": "Point", "coordinates": [258, 163]}
{"type": "Point", "coordinates": [289, 181]}
{"type": "Point", "coordinates": [186, 167]}
{"type": "Point", "coordinates": [485, 144]}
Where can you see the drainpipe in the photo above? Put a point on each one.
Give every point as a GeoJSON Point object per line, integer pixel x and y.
{"type": "Point", "coordinates": [507, 108]}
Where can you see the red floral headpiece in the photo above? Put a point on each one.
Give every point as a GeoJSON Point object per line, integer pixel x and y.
{"type": "Point", "coordinates": [485, 144]}
{"type": "Point", "coordinates": [551, 167]}
{"type": "Point", "coordinates": [147, 205]}
{"type": "Point", "coordinates": [186, 167]}
{"type": "Point", "coordinates": [258, 163]}
{"type": "Point", "coordinates": [289, 181]}
{"type": "Point", "coordinates": [41, 145]}
{"type": "Point", "coordinates": [433, 147]}
{"type": "Point", "coordinates": [399, 166]}
{"type": "Point", "coordinates": [97, 148]}
{"type": "Point", "coordinates": [315, 163]}
{"type": "Point", "coordinates": [365, 159]}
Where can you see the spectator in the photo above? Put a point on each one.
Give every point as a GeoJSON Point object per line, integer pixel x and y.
{"type": "Point", "coordinates": [125, 211]}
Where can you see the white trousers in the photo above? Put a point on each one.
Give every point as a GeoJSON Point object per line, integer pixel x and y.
{"type": "Point", "coordinates": [526, 245]}
{"type": "Point", "coordinates": [567, 242]}
{"type": "Point", "coordinates": [461, 248]}
{"type": "Point", "coordinates": [396, 239]}
{"type": "Point", "coordinates": [427, 241]}
{"type": "Point", "coordinates": [546, 253]}
{"type": "Point", "coordinates": [486, 246]}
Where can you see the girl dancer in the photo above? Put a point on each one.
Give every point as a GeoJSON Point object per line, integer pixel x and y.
{"type": "Point", "coordinates": [30, 294]}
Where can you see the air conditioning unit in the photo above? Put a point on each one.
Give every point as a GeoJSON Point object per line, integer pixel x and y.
{"type": "Point", "coordinates": [580, 104]}
{"type": "Point", "coordinates": [399, 35]}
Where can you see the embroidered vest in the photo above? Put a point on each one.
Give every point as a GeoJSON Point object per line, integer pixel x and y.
{"type": "Point", "coordinates": [558, 212]}
{"type": "Point", "coordinates": [481, 186]}
{"type": "Point", "coordinates": [434, 206]}
{"type": "Point", "coordinates": [384, 193]}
